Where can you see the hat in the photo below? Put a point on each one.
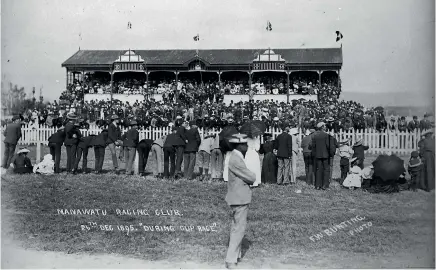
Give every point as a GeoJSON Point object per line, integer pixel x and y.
{"type": "Point", "coordinates": [427, 132]}
{"type": "Point", "coordinates": [15, 117]}
{"type": "Point", "coordinates": [61, 128]}
{"type": "Point", "coordinates": [276, 118]}
{"type": "Point", "coordinates": [320, 125]}
{"type": "Point", "coordinates": [414, 154]}
{"type": "Point", "coordinates": [358, 142]}
{"type": "Point", "coordinates": [230, 120]}
{"type": "Point", "coordinates": [238, 138]}
{"type": "Point", "coordinates": [23, 151]}
{"type": "Point", "coordinates": [353, 159]}
{"type": "Point", "coordinates": [267, 135]}
{"type": "Point", "coordinates": [294, 131]}
{"type": "Point", "coordinates": [114, 117]}
{"type": "Point", "coordinates": [192, 123]}
{"type": "Point", "coordinates": [178, 117]}
{"type": "Point", "coordinates": [72, 116]}
{"type": "Point", "coordinates": [133, 123]}
{"type": "Point", "coordinates": [330, 119]}
{"type": "Point", "coordinates": [345, 141]}
{"type": "Point", "coordinates": [255, 118]}
{"type": "Point", "coordinates": [173, 128]}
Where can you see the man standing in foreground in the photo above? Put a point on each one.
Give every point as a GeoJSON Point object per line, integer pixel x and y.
{"type": "Point", "coordinates": [238, 196]}
{"type": "Point", "coordinates": [12, 134]}
{"type": "Point", "coordinates": [114, 137]}
{"type": "Point", "coordinates": [320, 146]}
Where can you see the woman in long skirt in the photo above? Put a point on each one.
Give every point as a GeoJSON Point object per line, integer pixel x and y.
{"type": "Point", "coordinates": [269, 163]}
{"type": "Point", "coordinates": [252, 159]}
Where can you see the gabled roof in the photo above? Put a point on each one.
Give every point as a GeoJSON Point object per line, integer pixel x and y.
{"type": "Point", "coordinates": [214, 57]}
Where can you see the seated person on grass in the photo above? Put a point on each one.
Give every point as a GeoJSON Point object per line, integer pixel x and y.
{"type": "Point", "coordinates": [21, 163]}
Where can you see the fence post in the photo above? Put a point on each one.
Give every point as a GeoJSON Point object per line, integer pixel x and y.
{"type": "Point", "coordinates": [38, 151]}
{"type": "Point", "coordinates": [136, 163]}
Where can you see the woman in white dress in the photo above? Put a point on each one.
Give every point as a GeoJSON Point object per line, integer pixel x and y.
{"type": "Point", "coordinates": [252, 159]}
{"type": "Point", "coordinates": [354, 178]}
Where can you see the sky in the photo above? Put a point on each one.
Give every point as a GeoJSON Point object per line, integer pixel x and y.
{"type": "Point", "coordinates": [388, 45]}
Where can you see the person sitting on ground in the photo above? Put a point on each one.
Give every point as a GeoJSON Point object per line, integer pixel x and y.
{"type": "Point", "coordinates": [354, 179]}
{"type": "Point", "coordinates": [415, 168]}
{"type": "Point", "coordinates": [21, 163]}
{"type": "Point", "coordinates": [46, 166]}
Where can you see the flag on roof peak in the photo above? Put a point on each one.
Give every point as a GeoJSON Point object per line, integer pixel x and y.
{"type": "Point", "coordinates": [339, 36]}
{"type": "Point", "coordinates": [268, 26]}
{"type": "Point", "coordinates": [197, 37]}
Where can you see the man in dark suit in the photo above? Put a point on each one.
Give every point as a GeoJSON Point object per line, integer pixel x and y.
{"type": "Point", "coordinates": [144, 148]}
{"type": "Point", "coordinates": [425, 123]}
{"type": "Point", "coordinates": [71, 140]}
{"type": "Point", "coordinates": [414, 124]}
{"type": "Point", "coordinates": [307, 156]}
{"type": "Point", "coordinates": [283, 145]}
{"type": "Point", "coordinates": [130, 142]}
{"type": "Point", "coordinates": [169, 149]}
{"type": "Point", "coordinates": [180, 143]}
{"type": "Point", "coordinates": [191, 149]}
{"type": "Point", "coordinates": [99, 143]}
{"type": "Point", "coordinates": [12, 134]}
{"type": "Point", "coordinates": [113, 139]}
{"type": "Point", "coordinates": [320, 146]}
{"type": "Point", "coordinates": [82, 149]}
{"type": "Point", "coordinates": [55, 142]}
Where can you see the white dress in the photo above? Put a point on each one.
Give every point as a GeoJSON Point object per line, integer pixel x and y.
{"type": "Point", "coordinates": [252, 159]}
{"type": "Point", "coordinates": [354, 179]}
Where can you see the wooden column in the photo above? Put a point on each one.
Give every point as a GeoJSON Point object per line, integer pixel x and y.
{"type": "Point", "coordinates": [250, 80]}
{"type": "Point", "coordinates": [339, 78]}
{"type": "Point", "coordinates": [112, 89]}
{"type": "Point", "coordinates": [67, 79]}
{"type": "Point", "coordinates": [288, 83]}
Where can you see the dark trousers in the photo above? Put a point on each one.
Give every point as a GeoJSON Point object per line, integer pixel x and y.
{"type": "Point", "coordinates": [322, 172]}
{"type": "Point", "coordinates": [189, 160]}
{"type": "Point", "coordinates": [179, 158]}
{"type": "Point", "coordinates": [308, 164]}
{"type": "Point", "coordinates": [80, 152]}
{"type": "Point", "coordinates": [8, 154]}
{"type": "Point", "coordinates": [169, 156]}
{"type": "Point", "coordinates": [345, 168]}
{"type": "Point", "coordinates": [55, 151]}
{"type": "Point", "coordinates": [99, 157]}
{"type": "Point", "coordinates": [143, 152]}
{"type": "Point", "coordinates": [71, 156]}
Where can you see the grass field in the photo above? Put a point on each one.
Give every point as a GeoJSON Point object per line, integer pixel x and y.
{"type": "Point", "coordinates": [280, 221]}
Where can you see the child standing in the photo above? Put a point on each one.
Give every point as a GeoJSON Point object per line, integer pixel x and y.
{"type": "Point", "coordinates": [345, 153]}
{"type": "Point", "coordinates": [414, 167]}
{"type": "Point", "coordinates": [359, 152]}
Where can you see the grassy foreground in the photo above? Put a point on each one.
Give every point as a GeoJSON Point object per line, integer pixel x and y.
{"type": "Point", "coordinates": [282, 224]}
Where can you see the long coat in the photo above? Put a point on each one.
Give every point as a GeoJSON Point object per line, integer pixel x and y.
{"type": "Point", "coordinates": [269, 163]}
{"type": "Point", "coordinates": [240, 179]}
{"type": "Point", "coordinates": [194, 140]}
{"type": "Point", "coordinates": [12, 133]}
{"type": "Point", "coordinates": [426, 149]}
{"type": "Point", "coordinates": [283, 144]}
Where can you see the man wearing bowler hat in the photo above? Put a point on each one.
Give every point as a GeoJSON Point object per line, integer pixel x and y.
{"type": "Point", "coordinates": [321, 152]}
{"type": "Point", "coordinates": [130, 142]}
{"type": "Point", "coordinates": [238, 196]}
{"type": "Point", "coordinates": [71, 141]}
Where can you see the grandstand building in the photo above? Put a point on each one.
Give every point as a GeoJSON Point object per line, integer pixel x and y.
{"type": "Point", "coordinates": [270, 73]}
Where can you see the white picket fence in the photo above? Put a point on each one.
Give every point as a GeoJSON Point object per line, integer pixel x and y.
{"type": "Point", "coordinates": [395, 142]}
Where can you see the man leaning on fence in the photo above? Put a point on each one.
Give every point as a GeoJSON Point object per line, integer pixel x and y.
{"type": "Point", "coordinates": [12, 134]}
{"type": "Point", "coordinates": [113, 139]}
